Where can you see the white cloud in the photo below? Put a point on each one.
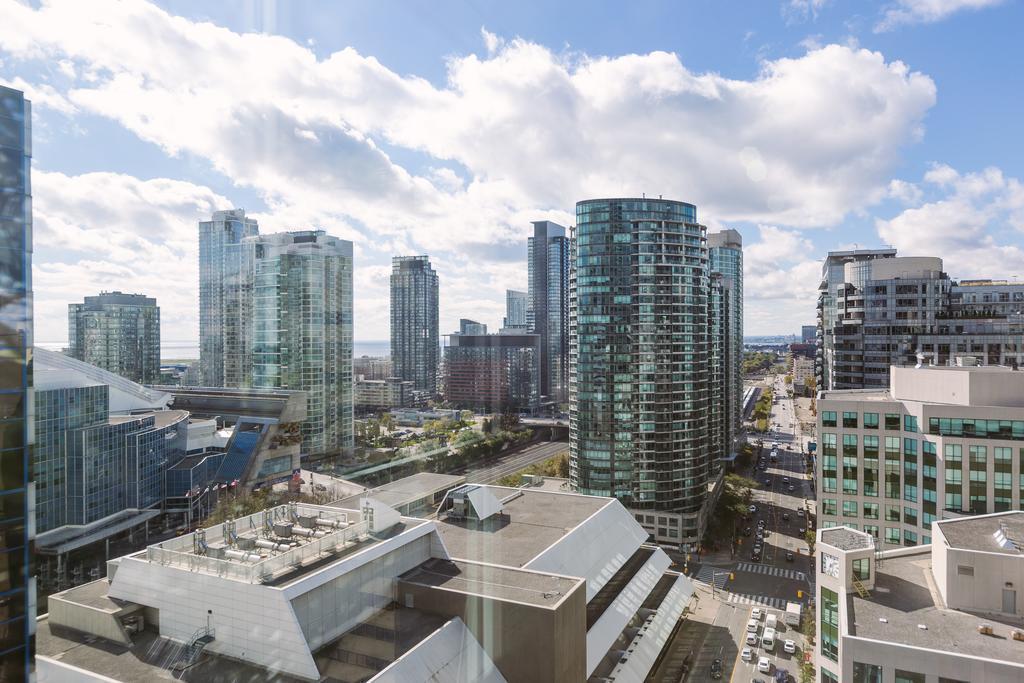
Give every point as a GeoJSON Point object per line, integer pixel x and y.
{"type": "Point", "coordinates": [965, 223]}
{"type": "Point", "coordinates": [926, 11]}
{"type": "Point", "coordinates": [802, 9]}
{"type": "Point", "coordinates": [780, 281]}
{"type": "Point", "coordinates": [42, 95]}
{"type": "Point", "coordinates": [510, 137]}
{"type": "Point", "coordinates": [107, 231]}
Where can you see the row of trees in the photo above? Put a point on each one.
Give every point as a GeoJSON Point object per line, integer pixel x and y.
{"type": "Point", "coordinates": [757, 361]}
{"type": "Point", "coordinates": [732, 506]}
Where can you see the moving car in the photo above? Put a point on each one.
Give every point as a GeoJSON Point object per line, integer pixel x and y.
{"type": "Point", "coordinates": [789, 646]}
{"type": "Point", "coordinates": [800, 512]}
{"type": "Point", "coordinates": [789, 556]}
{"type": "Point", "coordinates": [803, 530]}
{"type": "Point", "coordinates": [763, 665]}
{"type": "Point", "coordinates": [747, 654]}
{"type": "Point", "coordinates": [752, 509]}
{"type": "Point", "coordinates": [785, 516]}
{"type": "Point", "coordinates": [716, 668]}
{"type": "Point", "coordinates": [791, 488]}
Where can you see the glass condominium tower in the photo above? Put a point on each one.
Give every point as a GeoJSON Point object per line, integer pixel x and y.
{"type": "Point", "coordinates": [725, 250]}
{"type": "Point", "coordinates": [642, 385]}
{"type": "Point", "coordinates": [415, 343]}
{"type": "Point", "coordinates": [17, 582]}
{"type": "Point", "coordinates": [119, 333]}
{"type": "Point", "coordinates": [225, 291]}
{"type": "Point", "coordinates": [547, 311]}
{"type": "Point", "coordinates": [302, 329]}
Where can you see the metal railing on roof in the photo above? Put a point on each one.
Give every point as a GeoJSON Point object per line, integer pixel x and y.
{"type": "Point", "coordinates": [268, 567]}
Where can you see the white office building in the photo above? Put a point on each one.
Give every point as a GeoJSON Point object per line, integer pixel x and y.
{"type": "Point", "coordinates": [500, 585]}
{"type": "Point", "coordinates": [949, 612]}
{"type": "Point", "coordinates": [939, 443]}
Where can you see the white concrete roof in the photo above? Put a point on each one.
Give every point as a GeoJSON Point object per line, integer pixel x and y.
{"type": "Point", "coordinates": [595, 549]}
{"type": "Point", "coordinates": [52, 370]}
{"type": "Point", "coordinates": [485, 503]}
{"type": "Point", "coordinates": [449, 655]}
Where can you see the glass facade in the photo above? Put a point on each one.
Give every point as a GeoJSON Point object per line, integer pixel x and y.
{"type": "Point", "coordinates": [726, 258]}
{"type": "Point", "coordinates": [492, 372]}
{"type": "Point", "coordinates": [17, 582]}
{"type": "Point", "coordinates": [547, 312]}
{"type": "Point", "coordinates": [225, 297]}
{"type": "Point", "coordinates": [877, 310]}
{"type": "Point", "coordinates": [641, 348]}
{"type": "Point", "coordinates": [119, 333]}
{"type": "Point", "coordinates": [415, 343]}
{"type": "Point", "coordinates": [302, 330]}
{"type": "Point", "coordinates": [516, 304]}
{"type": "Point", "coordinates": [830, 624]}
{"type": "Point", "coordinates": [89, 465]}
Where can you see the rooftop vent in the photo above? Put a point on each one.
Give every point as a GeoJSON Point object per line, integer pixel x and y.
{"type": "Point", "coordinates": [1004, 540]}
{"type": "Point", "coordinates": [883, 620]}
{"type": "Point", "coordinates": [985, 629]}
{"type": "Point", "coordinates": [923, 627]}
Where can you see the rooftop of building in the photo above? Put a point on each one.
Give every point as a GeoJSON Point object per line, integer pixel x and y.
{"type": "Point", "coordinates": [276, 546]}
{"type": "Point", "coordinates": [996, 533]}
{"type": "Point", "coordinates": [854, 395]}
{"type": "Point", "coordinates": [492, 581]}
{"type": "Point", "coordinates": [149, 659]}
{"type": "Point", "coordinates": [846, 539]}
{"type": "Point", "coordinates": [404, 491]}
{"type": "Point", "coordinates": [531, 522]}
{"type": "Point", "coordinates": [162, 418]}
{"type": "Point", "coordinates": [905, 607]}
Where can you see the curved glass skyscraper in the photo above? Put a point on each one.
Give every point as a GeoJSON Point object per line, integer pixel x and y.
{"type": "Point", "coordinates": [642, 388]}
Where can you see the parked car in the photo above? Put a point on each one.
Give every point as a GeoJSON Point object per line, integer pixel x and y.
{"type": "Point", "coordinates": [716, 668]}
{"type": "Point", "coordinates": [756, 613]}
{"type": "Point", "coordinates": [747, 654]}
{"type": "Point", "coordinates": [752, 639]}
{"type": "Point", "coordinates": [764, 665]}
{"type": "Point", "coordinates": [789, 646]}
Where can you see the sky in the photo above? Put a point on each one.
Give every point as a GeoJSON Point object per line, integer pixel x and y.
{"type": "Point", "coordinates": [445, 128]}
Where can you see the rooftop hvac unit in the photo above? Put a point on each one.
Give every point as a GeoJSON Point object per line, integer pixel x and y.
{"type": "Point", "coordinates": [307, 521]}
{"type": "Point", "coordinates": [283, 529]}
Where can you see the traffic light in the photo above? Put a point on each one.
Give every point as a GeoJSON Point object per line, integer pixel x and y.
{"type": "Point", "coordinates": [799, 595]}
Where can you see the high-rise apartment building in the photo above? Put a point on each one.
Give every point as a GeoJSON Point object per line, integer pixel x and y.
{"type": "Point", "coordinates": [415, 342]}
{"type": "Point", "coordinates": [302, 329]}
{"type": "Point", "coordinates": [119, 333]}
{"type": "Point", "coordinates": [725, 251]}
{"type": "Point", "coordinates": [467, 326]}
{"type": "Point", "coordinates": [808, 333]}
{"type": "Point", "coordinates": [492, 372]}
{"type": "Point", "coordinates": [940, 442]}
{"type": "Point", "coordinates": [17, 564]}
{"type": "Point", "coordinates": [547, 312]}
{"type": "Point", "coordinates": [876, 309]}
{"type": "Point", "coordinates": [648, 362]}
{"type": "Point", "coordinates": [516, 304]}
{"type": "Point", "coordinates": [225, 292]}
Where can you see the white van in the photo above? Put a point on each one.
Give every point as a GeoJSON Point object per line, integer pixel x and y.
{"type": "Point", "coordinates": [768, 639]}
{"type": "Point", "coordinates": [771, 621]}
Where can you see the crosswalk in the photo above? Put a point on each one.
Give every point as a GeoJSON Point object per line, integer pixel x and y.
{"type": "Point", "coordinates": [751, 599]}
{"type": "Point", "coordinates": [770, 571]}
{"type": "Point", "coordinates": [707, 575]}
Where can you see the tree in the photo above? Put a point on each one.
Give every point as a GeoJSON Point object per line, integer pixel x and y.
{"type": "Point", "coordinates": [387, 422]}
{"type": "Point", "coordinates": [788, 379]}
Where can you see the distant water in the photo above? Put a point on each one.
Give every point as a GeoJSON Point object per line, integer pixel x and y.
{"type": "Point", "coordinates": [187, 350]}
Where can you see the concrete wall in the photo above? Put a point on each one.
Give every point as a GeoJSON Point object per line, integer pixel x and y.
{"type": "Point", "coordinates": [932, 663]}
{"type": "Point", "coordinates": [987, 386]}
{"type": "Point", "coordinates": [983, 592]}
{"type": "Point", "coordinates": [53, 671]}
{"type": "Point", "coordinates": [528, 643]}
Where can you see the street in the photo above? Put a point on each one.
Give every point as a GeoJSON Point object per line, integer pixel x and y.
{"type": "Point", "coordinates": [736, 588]}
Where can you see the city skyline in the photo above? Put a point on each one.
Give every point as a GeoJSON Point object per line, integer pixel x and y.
{"type": "Point", "coordinates": [908, 174]}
